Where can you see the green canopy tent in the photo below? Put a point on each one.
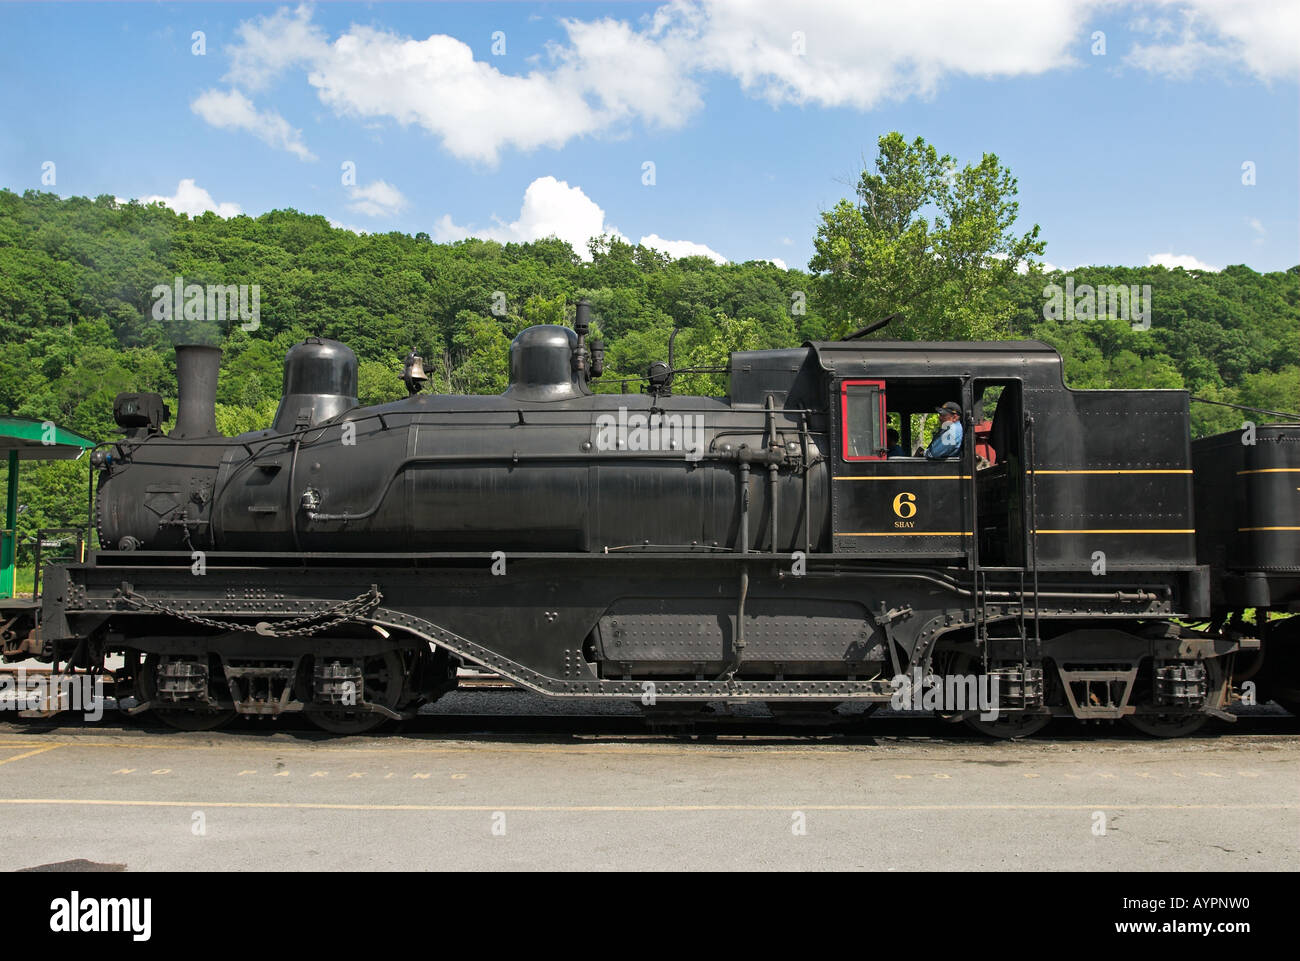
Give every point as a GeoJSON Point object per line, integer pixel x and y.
{"type": "Point", "coordinates": [23, 438]}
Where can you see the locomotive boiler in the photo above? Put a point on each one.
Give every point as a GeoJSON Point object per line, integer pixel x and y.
{"type": "Point", "coordinates": [546, 466]}
{"type": "Point", "coordinates": [681, 551]}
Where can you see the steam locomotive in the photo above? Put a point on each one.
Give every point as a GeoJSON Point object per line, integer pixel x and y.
{"type": "Point", "coordinates": [681, 551]}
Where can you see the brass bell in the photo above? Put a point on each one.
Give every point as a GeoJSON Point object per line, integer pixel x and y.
{"type": "Point", "coordinates": [413, 374]}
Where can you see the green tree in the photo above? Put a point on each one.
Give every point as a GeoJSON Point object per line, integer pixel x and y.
{"type": "Point", "coordinates": [479, 356]}
{"type": "Point", "coordinates": [926, 239]}
{"type": "Point", "coordinates": [77, 326]}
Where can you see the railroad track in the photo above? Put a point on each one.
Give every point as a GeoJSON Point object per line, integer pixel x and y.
{"type": "Point", "coordinates": [485, 717]}
{"type": "Point", "coordinates": [615, 726]}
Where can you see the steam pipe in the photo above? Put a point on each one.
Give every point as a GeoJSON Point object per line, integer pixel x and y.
{"type": "Point", "coordinates": [769, 406]}
{"type": "Point", "coordinates": [807, 479]}
{"type": "Point", "coordinates": [738, 640]}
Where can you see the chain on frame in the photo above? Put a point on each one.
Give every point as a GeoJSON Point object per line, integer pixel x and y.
{"type": "Point", "coordinates": [340, 613]}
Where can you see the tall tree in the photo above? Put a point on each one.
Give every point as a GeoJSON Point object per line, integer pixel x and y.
{"type": "Point", "coordinates": [924, 239]}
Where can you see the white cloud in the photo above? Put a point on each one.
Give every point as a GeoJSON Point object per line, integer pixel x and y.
{"type": "Point", "coordinates": [377, 199]}
{"type": "Point", "coordinates": [338, 225]}
{"type": "Point", "coordinates": [861, 54]}
{"type": "Point", "coordinates": [609, 73]}
{"type": "Point", "coordinates": [1022, 267]}
{"type": "Point", "coordinates": [552, 208]}
{"type": "Point", "coordinates": [271, 44]}
{"type": "Point", "coordinates": [445, 231]}
{"type": "Point", "coordinates": [1176, 60]}
{"type": "Point", "coordinates": [606, 74]}
{"type": "Point", "coordinates": [1043, 265]}
{"type": "Point", "coordinates": [1186, 261]}
{"type": "Point", "coordinates": [1260, 36]}
{"type": "Point", "coordinates": [1260, 231]}
{"type": "Point", "coordinates": [778, 261]}
{"type": "Point", "coordinates": [193, 200]}
{"type": "Point", "coordinates": [630, 73]}
{"type": "Point", "coordinates": [681, 248]}
{"type": "Point", "coordinates": [435, 83]}
{"type": "Point", "coordinates": [232, 110]}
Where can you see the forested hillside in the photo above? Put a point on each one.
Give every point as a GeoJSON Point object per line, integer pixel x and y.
{"type": "Point", "coordinates": [77, 319]}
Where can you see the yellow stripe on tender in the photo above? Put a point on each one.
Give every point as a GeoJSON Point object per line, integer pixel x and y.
{"type": "Point", "coordinates": [902, 533]}
{"type": "Point", "coordinates": [883, 477]}
{"type": "Point", "coordinates": [1088, 530]}
{"type": "Point", "coordinates": [1107, 471]}
{"type": "Point", "coordinates": [1271, 470]}
{"type": "Point", "coordinates": [1244, 529]}
{"type": "Point", "coordinates": [1118, 530]}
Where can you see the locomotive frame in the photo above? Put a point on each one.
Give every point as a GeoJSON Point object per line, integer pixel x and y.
{"type": "Point", "coordinates": [791, 572]}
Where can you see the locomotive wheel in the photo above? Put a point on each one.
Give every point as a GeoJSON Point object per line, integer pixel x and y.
{"type": "Point", "coordinates": [1009, 724]}
{"type": "Point", "coordinates": [1167, 725]}
{"type": "Point", "coordinates": [1179, 725]}
{"type": "Point", "coordinates": [383, 680]}
{"type": "Point", "coordinates": [184, 720]}
{"type": "Point", "coordinates": [180, 718]}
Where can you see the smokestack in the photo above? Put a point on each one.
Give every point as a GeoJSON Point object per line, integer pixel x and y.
{"type": "Point", "coordinates": [196, 382]}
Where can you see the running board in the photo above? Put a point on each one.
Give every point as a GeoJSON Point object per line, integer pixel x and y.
{"type": "Point", "coordinates": [579, 682]}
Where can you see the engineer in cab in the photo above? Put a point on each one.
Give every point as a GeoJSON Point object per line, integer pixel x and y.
{"type": "Point", "coordinates": [947, 441]}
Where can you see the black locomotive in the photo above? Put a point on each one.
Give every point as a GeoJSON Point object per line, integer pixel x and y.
{"type": "Point", "coordinates": [346, 561]}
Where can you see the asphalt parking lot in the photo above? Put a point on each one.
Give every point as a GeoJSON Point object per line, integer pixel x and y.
{"type": "Point", "coordinates": [435, 794]}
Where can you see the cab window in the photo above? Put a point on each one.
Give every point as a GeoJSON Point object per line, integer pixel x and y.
{"type": "Point", "coordinates": [862, 416]}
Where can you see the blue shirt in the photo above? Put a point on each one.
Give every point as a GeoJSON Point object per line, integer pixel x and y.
{"type": "Point", "coordinates": [946, 443]}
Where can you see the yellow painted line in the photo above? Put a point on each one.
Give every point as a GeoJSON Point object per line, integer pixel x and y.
{"type": "Point", "coordinates": [738, 746]}
{"type": "Point", "coordinates": [637, 808]}
{"type": "Point", "coordinates": [1108, 471]}
{"type": "Point", "coordinates": [728, 746]}
{"type": "Point", "coordinates": [887, 477]}
{"type": "Point", "coordinates": [1271, 470]}
{"type": "Point", "coordinates": [1243, 529]}
{"type": "Point", "coordinates": [902, 534]}
{"type": "Point", "coordinates": [1118, 530]}
{"type": "Point", "coordinates": [39, 750]}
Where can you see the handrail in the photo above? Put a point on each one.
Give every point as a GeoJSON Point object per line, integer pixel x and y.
{"type": "Point", "coordinates": [1032, 470]}
{"type": "Point", "coordinates": [38, 545]}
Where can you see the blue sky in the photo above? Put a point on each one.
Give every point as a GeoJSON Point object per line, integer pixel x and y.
{"type": "Point", "coordinates": [755, 116]}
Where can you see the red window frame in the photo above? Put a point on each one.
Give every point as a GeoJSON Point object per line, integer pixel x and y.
{"type": "Point", "coordinates": [844, 418]}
